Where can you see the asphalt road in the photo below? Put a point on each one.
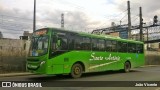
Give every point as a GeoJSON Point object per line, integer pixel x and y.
{"type": "Point", "coordinates": [138, 74]}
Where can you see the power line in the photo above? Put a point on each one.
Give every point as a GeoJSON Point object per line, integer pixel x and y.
{"type": "Point", "coordinates": [136, 18]}
{"type": "Point", "coordinates": [114, 17]}
{"type": "Point", "coordinates": [123, 18]}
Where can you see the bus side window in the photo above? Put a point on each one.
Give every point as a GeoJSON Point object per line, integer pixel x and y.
{"type": "Point", "coordinates": [131, 47]}
{"type": "Point", "coordinates": [62, 43]}
{"type": "Point", "coordinates": [101, 45]}
{"type": "Point", "coordinates": [139, 48]}
{"type": "Point", "coordinates": [94, 45]}
{"type": "Point", "coordinates": [108, 45]}
{"type": "Point", "coordinates": [86, 44]}
{"type": "Point", "coordinates": [78, 45]}
{"type": "Point", "coordinates": [72, 41]}
{"type": "Point", "coordinates": [71, 44]}
{"type": "Point", "coordinates": [122, 47]}
{"type": "Point", "coordinates": [114, 46]}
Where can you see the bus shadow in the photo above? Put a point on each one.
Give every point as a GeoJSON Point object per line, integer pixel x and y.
{"type": "Point", "coordinates": [106, 73]}
{"type": "Point", "coordinates": [67, 77]}
{"type": "Point", "coordinates": [49, 78]}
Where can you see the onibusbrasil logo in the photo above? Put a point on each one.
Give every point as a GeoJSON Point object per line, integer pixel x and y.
{"type": "Point", "coordinates": [21, 84]}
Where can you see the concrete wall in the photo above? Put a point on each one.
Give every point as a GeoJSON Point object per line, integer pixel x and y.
{"type": "Point", "coordinates": [152, 58]}
{"type": "Point", "coordinates": [13, 53]}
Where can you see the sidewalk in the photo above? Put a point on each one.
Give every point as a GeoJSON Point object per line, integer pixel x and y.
{"type": "Point", "coordinates": [15, 74]}
{"type": "Point", "coordinates": [149, 66]}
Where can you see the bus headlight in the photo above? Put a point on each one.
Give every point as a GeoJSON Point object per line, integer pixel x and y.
{"type": "Point", "coordinates": [43, 62]}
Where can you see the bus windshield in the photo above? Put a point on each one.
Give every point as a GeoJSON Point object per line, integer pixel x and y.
{"type": "Point", "coordinates": [39, 46]}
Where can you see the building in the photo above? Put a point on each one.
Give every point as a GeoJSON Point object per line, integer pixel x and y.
{"type": "Point", "coordinates": [120, 30]}
{"type": "Point", "coordinates": [26, 35]}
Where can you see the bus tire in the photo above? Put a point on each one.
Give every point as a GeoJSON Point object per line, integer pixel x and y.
{"type": "Point", "coordinates": [127, 67]}
{"type": "Point", "coordinates": [76, 70]}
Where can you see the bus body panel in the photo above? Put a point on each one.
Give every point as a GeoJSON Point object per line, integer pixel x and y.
{"type": "Point", "coordinates": [94, 61]}
{"type": "Point", "coordinates": [99, 61]}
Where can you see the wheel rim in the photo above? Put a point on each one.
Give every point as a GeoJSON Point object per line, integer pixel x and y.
{"type": "Point", "coordinates": [77, 70]}
{"type": "Point", "coordinates": [127, 66]}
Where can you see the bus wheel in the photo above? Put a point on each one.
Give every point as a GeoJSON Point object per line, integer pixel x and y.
{"type": "Point", "coordinates": [127, 67]}
{"type": "Point", "coordinates": [76, 70]}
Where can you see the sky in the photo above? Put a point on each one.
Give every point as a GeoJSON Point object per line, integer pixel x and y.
{"type": "Point", "coordinates": [16, 16]}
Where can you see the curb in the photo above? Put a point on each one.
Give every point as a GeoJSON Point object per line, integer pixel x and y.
{"type": "Point", "coordinates": [149, 66]}
{"type": "Point", "coordinates": [16, 74]}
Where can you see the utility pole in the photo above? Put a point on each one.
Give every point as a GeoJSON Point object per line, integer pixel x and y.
{"type": "Point", "coordinates": [129, 20]}
{"type": "Point", "coordinates": [34, 16]}
{"type": "Point", "coordinates": [147, 37]}
{"type": "Point", "coordinates": [62, 21]}
{"type": "Point", "coordinates": [140, 24]}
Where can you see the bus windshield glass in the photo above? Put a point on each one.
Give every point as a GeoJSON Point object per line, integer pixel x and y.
{"type": "Point", "coordinates": [39, 46]}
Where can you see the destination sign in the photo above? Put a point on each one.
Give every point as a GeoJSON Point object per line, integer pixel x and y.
{"type": "Point", "coordinates": [41, 32]}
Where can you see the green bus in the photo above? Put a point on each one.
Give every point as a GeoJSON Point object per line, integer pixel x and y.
{"type": "Point", "coordinates": [56, 51]}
